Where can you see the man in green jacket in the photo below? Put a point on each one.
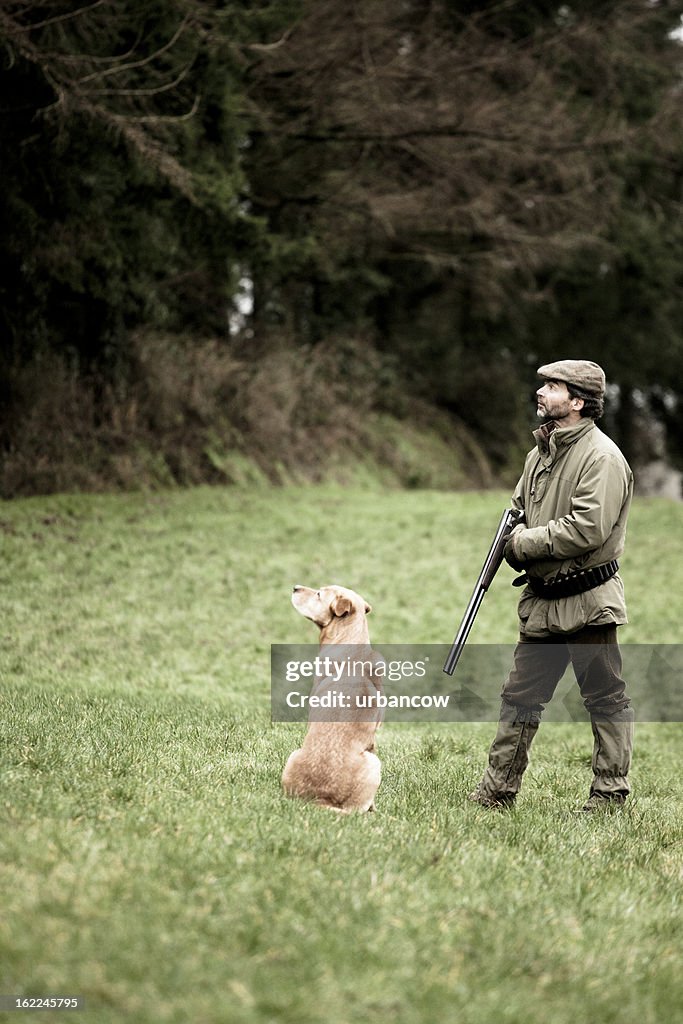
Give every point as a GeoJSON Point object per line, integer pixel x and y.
{"type": "Point", "coordinates": [575, 491]}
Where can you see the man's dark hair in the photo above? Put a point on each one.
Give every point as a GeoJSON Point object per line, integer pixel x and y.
{"type": "Point", "coordinates": [593, 405]}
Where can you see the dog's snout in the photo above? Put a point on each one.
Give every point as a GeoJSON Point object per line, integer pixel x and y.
{"type": "Point", "coordinates": [297, 586]}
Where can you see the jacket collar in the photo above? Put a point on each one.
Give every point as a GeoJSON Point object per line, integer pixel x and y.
{"type": "Point", "coordinates": [551, 440]}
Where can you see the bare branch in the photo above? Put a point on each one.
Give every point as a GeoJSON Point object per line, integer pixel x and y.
{"type": "Point", "coordinates": [60, 18]}
{"type": "Point", "coordinates": [129, 91]}
{"type": "Point", "coordinates": [158, 118]}
{"type": "Point", "coordinates": [143, 62]}
{"type": "Point", "coordinates": [269, 47]}
{"type": "Point", "coordinates": [342, 135]}
{"type": "Point", "coordinates": [138, 91]}
{"type": "Point", "coordinates": [79, 58]}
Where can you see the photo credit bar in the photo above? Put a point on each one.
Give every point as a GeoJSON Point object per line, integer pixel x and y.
{"type": "Point", "coordinates": [406, 683]}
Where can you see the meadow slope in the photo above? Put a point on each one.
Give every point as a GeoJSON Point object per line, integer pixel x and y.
{"type": "Point", "coordinates": [148, 862]}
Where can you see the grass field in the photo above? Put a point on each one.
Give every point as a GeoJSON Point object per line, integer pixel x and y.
{"type": "Point", "coordinates": [148, 862]}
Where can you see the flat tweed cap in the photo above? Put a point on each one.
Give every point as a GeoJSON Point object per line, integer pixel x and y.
{"type": "Point", "coordinates": [582, 373]}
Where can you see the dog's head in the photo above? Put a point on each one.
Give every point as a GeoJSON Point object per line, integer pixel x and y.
{"type": "Point", "coordinates": [329, 603]}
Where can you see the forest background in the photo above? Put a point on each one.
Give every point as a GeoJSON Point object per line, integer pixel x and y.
{"type": "Point", "coordinates": [287, 240]}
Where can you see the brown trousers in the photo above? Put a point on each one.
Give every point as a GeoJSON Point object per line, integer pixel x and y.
{"type": "Point", "coordinates": [540, 663]}
{"type": "Point", "coordinates": [538, 667]}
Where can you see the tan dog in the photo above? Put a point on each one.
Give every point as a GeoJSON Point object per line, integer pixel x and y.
{"type": "Point", "coordinates": [336, 767]}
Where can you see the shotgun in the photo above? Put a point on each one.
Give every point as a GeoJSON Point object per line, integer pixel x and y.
{"type": "Point", "coordinates": [511, 517]}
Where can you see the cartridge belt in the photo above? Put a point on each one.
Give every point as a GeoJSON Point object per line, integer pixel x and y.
{"type": "Point", "coordinates": [572, 582]}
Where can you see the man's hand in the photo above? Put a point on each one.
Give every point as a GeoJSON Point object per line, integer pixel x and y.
{"type": "Point", "coordinates": [510, 552]}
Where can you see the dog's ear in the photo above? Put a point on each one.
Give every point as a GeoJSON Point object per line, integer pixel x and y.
{"type": "Point", "coordinates": [368, 608]}
{"type": "Point", "coordinates": [341, 606]}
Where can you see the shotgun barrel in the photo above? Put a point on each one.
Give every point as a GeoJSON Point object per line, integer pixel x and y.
{"type": "Point", "coordinates": [510, 518]}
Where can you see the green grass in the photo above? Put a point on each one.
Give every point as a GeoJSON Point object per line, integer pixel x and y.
{"type": "Point", "coordinates": [147, 859]}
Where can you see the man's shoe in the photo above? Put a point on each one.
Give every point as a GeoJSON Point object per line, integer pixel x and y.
{"type": "Point", "coordinates": [600, 804]}
{"type": "Point", "coordinates": [500, 801]}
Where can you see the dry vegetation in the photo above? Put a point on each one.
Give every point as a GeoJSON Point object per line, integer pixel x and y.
{"type": "Point", "coordinates": [192, 413]}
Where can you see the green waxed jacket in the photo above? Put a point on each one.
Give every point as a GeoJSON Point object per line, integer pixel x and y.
{"type": "Point", "coordinates": [576, 491]}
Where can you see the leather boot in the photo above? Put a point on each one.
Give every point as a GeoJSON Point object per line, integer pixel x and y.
{"type": "Point", "coordinates": [612, 750]}
{"type": "Point", "coordinates": [508, 759]}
